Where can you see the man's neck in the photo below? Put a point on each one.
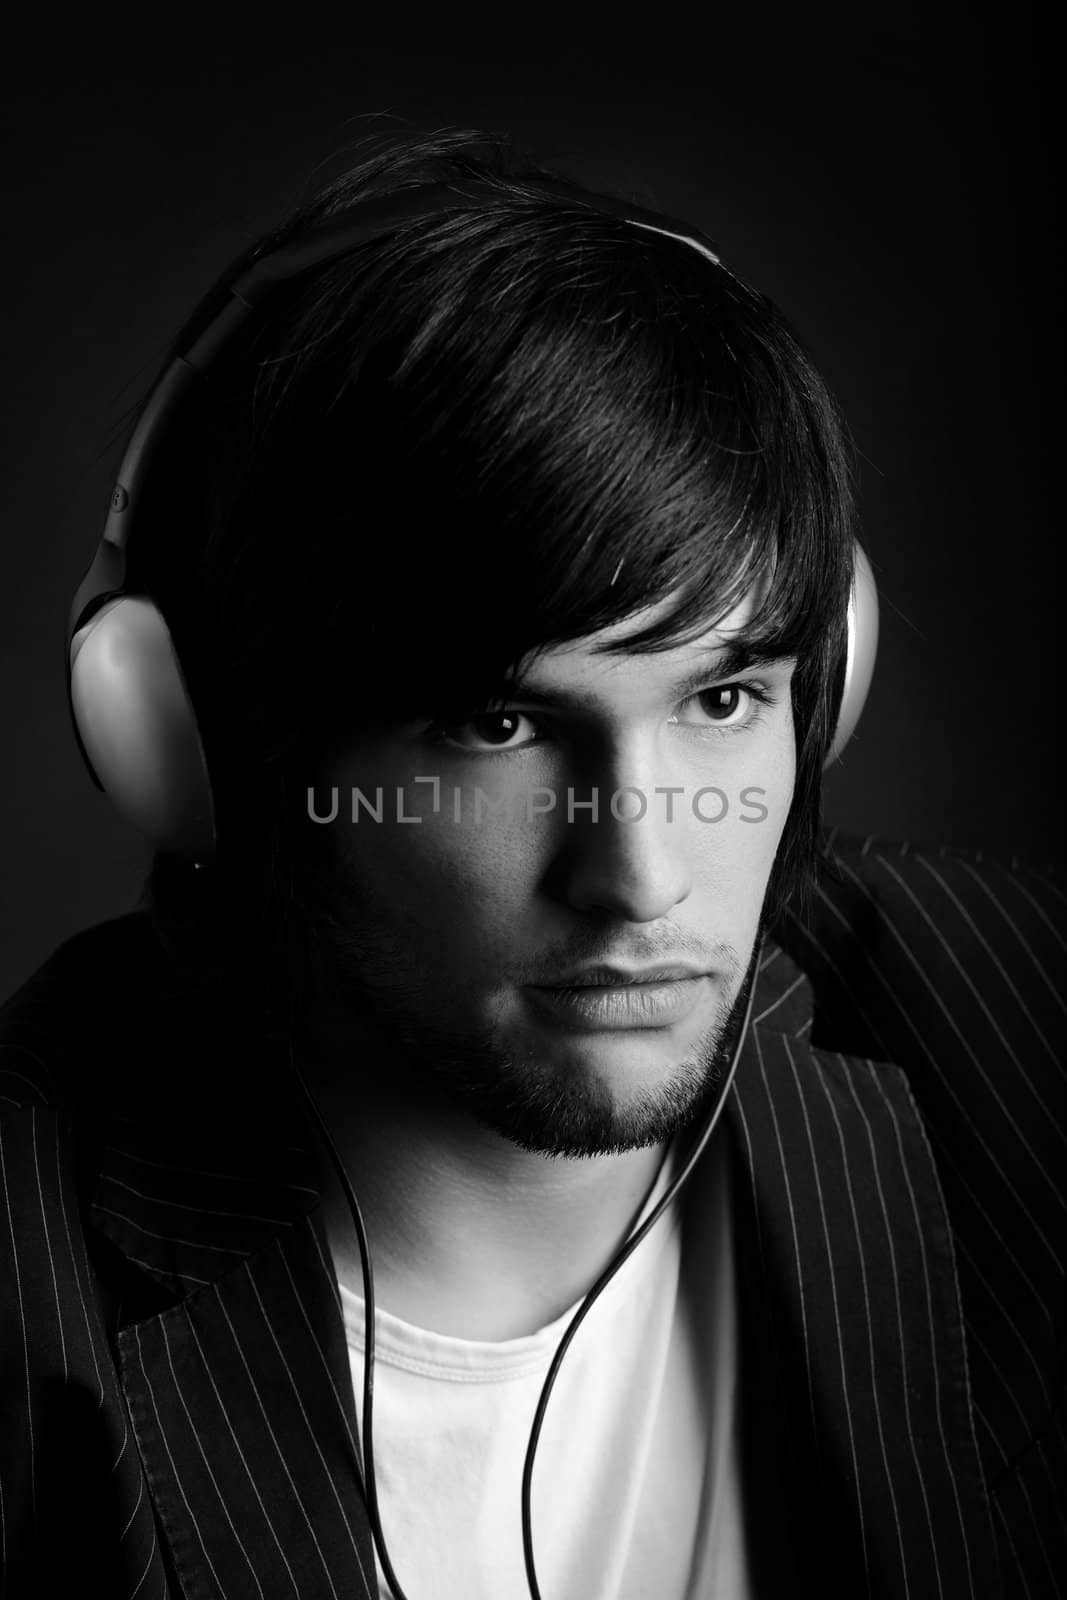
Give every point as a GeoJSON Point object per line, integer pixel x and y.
{"type": "Point", "coordinates": [469, 1234]}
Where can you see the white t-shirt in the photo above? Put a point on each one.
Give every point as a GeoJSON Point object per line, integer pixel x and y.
{"type": "Point", "coordinates": [636, 1484]}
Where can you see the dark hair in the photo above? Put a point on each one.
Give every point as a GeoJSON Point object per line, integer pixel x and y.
{"type": "Point", "coordinates": [498, 429]}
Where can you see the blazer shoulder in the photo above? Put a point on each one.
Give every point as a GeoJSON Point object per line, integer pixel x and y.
{"type": "Point", "coordinates": [62, 1016]}
{"type": "Point", "coordinates": [905, 943]}
{"type": "Point", "coordinates": [1008, 905]}
{"type": "Point", "coordinates": [876, 860]}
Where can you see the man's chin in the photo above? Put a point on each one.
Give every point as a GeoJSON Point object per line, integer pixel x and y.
{"type": "Point", "coordinates": [581, 1096]}
{"type": "Point", "coordinates": [620, 1070]}
{"type": "Point", "coordinates": [584, 1114]}
{"type": "Point", "coordinates": [586, 1092]}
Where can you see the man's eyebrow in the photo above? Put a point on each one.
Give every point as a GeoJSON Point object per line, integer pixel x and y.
{"type": "Point", "coordinates": [718, 665]}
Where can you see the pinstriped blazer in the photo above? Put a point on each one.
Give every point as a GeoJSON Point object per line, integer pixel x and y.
{"type": "Point", "coordinates": [177, 1409]}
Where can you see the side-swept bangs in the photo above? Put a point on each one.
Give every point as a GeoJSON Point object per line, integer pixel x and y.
{"type": "Point", "coordinates": [531, 423]}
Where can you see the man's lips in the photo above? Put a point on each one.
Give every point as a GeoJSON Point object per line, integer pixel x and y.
{"type": "Point", "coordinates": [607, 999]}
{"type": "Point", "coordinates": [612, 977]}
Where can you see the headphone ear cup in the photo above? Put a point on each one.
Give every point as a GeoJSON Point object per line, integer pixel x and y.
{"type": "Point", "coordinates": [138, 728]}
{"type": "Point", "coordinates": [861, 650]}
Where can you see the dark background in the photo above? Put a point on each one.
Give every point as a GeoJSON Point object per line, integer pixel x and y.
{"type": "Point", "coordinates": [883, 175]}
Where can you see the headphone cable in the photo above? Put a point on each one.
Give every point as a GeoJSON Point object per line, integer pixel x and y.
{"type": "Point", "coordinates": [606, 1276]}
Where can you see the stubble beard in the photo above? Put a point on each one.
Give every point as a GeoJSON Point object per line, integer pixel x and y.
{"type": "Point", "coordinates": [527, 1100]}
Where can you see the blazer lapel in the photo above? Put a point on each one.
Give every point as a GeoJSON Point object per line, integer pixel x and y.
{"type": "Point", "coordinates": [239, 1389]}
{"type": "Point", "coordinates": [852, 1325]}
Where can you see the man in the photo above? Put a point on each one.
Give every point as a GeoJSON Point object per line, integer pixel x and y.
{"type": "Point", "coordinates": [506, 556]}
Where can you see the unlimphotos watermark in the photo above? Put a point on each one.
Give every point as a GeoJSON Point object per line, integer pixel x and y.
{"type": "Point", "coordinates": [473, 805]}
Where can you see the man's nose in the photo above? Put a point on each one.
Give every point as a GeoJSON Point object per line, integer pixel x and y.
{"type": "Point", "coordinates": [630, 855]}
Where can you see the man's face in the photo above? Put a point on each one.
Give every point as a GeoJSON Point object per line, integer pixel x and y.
{"type": "Point", "coordinates": [489, 883]}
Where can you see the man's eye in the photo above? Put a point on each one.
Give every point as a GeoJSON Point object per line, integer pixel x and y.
{"type": "Point", "coordinates": [727, 705]}
{"type": "Point", "coordinates": [488, 730]}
